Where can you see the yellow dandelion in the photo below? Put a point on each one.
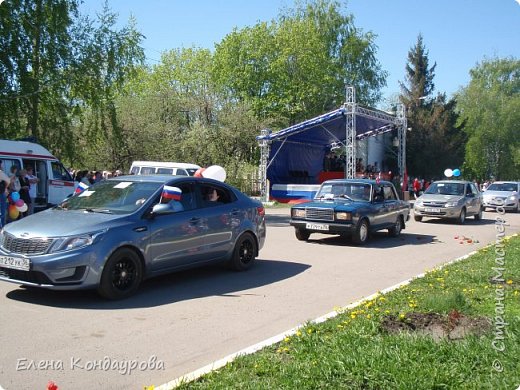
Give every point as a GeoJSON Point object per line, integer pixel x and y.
{"type": "Point", "coordinates": [287, 339]}
{"type": "Point", "coordinates": [402, 316]}
{"type": "Point", "coordinates": [515, 293]}
{"type": "Point", "coordinates": [352, 316]}
{"type": "Point", "coordinates": [298, 333]}
{"type": "Point", "coordinates": [369, 316]}
{"type": "Point", "coordinates": [509, 281]}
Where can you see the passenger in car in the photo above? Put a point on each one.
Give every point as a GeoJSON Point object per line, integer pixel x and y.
{"type": "Point", "coordinates": [212, 197]}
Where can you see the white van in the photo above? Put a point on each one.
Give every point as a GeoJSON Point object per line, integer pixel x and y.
{"type": "Point", "coordinates": [55, 181]}
{"type": "Point", "coordinates": [163, 168]}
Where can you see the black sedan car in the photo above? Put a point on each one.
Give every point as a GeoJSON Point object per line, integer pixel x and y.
{"type": "Point", "coordinates": [353, 207]}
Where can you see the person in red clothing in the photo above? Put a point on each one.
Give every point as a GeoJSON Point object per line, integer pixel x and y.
{"type": "Point", "coordinates": [417, 187]}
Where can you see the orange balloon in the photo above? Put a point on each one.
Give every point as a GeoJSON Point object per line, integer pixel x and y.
{"type": "Point", "coordinates": [14, 213]}
{"type": "Point", "coordinates": [198, 172]}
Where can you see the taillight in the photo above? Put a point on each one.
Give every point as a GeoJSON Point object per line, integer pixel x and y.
{"type": "Point", "coordinates": [260, 210]}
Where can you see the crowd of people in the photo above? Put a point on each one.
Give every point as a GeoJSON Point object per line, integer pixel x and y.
{"type": "Point", "coordinates": [90, 177]}
{"type": "Point", "coordinates": [334, 163]}
{"type": "Point", "coordinates": [17, 188]}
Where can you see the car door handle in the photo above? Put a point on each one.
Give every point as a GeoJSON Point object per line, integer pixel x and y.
{"type": "Point", "coordinates": [234, 212]}
{"type": "Point", "coordinates": [140, 229]}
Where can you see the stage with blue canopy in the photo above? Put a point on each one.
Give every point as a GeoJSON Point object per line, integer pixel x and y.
{"type": "Point", "coordinates": [296, 153]}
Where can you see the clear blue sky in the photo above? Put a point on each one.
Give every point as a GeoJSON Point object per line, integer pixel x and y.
{"type": "Point", "coordinates": [457, 33]}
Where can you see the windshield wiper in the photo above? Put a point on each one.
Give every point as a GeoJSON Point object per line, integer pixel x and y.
{"type": "Point", "coordinates": [103, 211]}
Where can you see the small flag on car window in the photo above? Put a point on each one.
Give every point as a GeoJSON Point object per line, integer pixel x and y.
{"type": "Point", "coordinates": [171, 193]}
{"type": "Point", "coordinates": [80, 188]}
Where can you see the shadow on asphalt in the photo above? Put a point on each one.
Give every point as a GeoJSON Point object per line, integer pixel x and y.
{"type": "Point", "coordinates": [378, 240]}
{"type": "Point", "coordinates": [277, 220]}
{"type": "Point", "coordinates": [469, 221]}
{"type": "Point", "coordinates": [202, 282]}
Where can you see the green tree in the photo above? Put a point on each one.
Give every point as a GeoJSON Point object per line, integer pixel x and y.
{"type": "Point", "coordinates": [489, 108]}
{"type": "Point", "coordinates": [35, 38]}
{"type": "Point", "coordinates": [105, 57]}
{"type": "Point", "coordinates": [296, 66]}
{"type": "Point", "coordinates": [435, 142]}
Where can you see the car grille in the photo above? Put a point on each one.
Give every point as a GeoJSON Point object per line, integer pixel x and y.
{"type": "Point", "coordinates": [24, 276]}
{"type": "Point", "coordinates": [434, 204]}
{"type": "Point", "coordinates": [24, 246]}
{"type": "Point", "coordinates": [319, 214]}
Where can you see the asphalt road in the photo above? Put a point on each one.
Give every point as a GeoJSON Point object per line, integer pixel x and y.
{"type": "Point", "coordinates": [189, 319]}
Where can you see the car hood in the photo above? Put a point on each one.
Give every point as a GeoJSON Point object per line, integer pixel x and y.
{"type": "Point", "coordinates": [499, 194]}
{"type": "Point", "coordinates": [60, 223]}
{"type": "Point", "coordinates": [439, 198]}
{"type": "Point", "coordinates": [339, 204]}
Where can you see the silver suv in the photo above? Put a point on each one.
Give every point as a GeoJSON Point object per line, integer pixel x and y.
{"type": "Point", "coordinates": [449, 199]}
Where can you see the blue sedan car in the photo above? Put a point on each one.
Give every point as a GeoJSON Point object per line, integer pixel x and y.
{"type": "Point", "coordinates": [351, 207]}
{"type": "Point", "coordinates": [120, 231]}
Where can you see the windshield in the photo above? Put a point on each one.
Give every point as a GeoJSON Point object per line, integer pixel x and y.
{"type": "Point", "coordinates": [510, 187]}
{"type": "Point", "coordinates": [349, 191]}
{"type": "Point", "coordinates": [112, 196]}
{"type": "Point", "coordinates": [446, 188]}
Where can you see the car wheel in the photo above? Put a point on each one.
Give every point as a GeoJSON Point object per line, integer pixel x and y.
{"type": "Point", "coordinates": [417, 218]}
{"type": "Point", "coordinates": [244, 253]}
{"type": "Point", "coordinates": [360, 235]}
{"type": "Point", "coordinates": [478, 216]}
{"type": "Point", "coordinates": [122, 275]}
{"type": "Point", "coordinates": [395, 230]}
{"type": "Point", "coordinates": [302, 234]}
{"type": "Point", "coordinates": [462, 217]}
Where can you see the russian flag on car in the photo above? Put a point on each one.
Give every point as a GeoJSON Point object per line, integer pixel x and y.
{"type": "Point", "coordinates": [171, 193]}
{"type": "Point", "coordinates": [80, 188]}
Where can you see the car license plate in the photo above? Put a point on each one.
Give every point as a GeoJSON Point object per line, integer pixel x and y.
{"type": "Point", "coordinates": [317, 226]}
{"type": "Point", "coordinates": [20, 263]}
{"type": "Point", "coordinates": [434, 210]}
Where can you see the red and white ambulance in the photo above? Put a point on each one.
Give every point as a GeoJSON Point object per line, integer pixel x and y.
{"type": "Point", "coordinates": [55, 182]}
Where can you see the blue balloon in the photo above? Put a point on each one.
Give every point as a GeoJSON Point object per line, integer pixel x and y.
{"type": "Point", "coordinates": [15, 196]}
{"type": "Point", "coordinates": [456, 172]}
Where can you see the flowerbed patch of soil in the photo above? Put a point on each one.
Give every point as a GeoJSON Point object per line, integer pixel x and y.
{"type": "Point", "coordinates": [453, 326]}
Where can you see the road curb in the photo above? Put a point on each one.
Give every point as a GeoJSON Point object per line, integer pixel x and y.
{"type": "Point", "coordinates": [275, 339]}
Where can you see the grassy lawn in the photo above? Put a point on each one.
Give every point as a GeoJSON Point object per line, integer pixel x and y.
{"type": "Point", "coordinates": [374, 346]}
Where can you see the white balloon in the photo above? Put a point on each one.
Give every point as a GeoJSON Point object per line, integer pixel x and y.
{"type": "Point", "coordinates": [215, 172]}
{"type": "Point", "coordinates": [22, 208]}
{"type": "Point", "coordinates": [448, 172]}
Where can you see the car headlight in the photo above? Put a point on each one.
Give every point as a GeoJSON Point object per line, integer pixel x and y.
{"type": "Point", "coordinates": [75, 242]}
{"type": "Point", "coordinates": [343, 216]}
{"type": "Point", "coordinates": [298, 213]}
{"type": "Point", "coordinates": [513, 197]}
{"type": "Point", "coordinates": [452, 204]}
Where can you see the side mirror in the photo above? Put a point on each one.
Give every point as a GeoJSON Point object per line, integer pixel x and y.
{"type": "Point", "coordinates": [378, 199]}
{"type": "Point", "coordinates": [162, 209]}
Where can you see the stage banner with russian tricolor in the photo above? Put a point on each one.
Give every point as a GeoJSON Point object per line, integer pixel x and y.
{"type": "Point", "coordinates": [80, 188]}
{"type": "Point", "coordinates": [171, 193]}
